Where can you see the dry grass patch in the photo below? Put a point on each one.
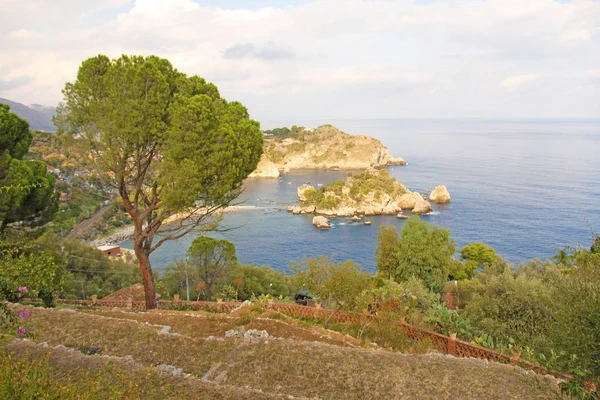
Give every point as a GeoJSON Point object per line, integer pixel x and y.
{"type": "Point", "coordinates": [298, 368]}
{"type": "Point", "coordinates": [29, 371]}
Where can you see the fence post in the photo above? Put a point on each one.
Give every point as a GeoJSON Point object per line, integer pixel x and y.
{"type": "Point", "coordinates": [94, 298]}
{"type": "Point", "coordinates": [452, 346]}
{"type": "Point", "coordinates": [176, 298]}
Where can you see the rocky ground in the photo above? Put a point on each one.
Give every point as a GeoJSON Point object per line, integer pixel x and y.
{"type": "Point", "coordinates": [247, 354]}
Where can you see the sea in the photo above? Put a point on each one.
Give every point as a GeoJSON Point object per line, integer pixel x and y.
{"type": "Point", "coordinates": [524, 187]}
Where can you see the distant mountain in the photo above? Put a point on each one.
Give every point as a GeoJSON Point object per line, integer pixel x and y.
{"type": "Point", "coordinates": [38, 116]}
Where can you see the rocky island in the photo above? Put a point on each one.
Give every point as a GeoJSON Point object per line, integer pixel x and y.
{"type": "Point", "coordinates": [325, 147]}
{"type": "Point", "coordinates": [372, 192]}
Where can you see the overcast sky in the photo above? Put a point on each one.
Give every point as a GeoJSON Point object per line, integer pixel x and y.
{"type": "Point", "coordinates": [327, 58]}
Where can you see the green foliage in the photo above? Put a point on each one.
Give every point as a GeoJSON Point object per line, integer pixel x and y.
{"type": "Point", "coordinates": [250, 280]}
{"type": "Point", "coordinates": [170, 142]}
{"type": "Point", "coordinates": [478, 252]}
{"type": "Point", "coordinates": [227, 293]}
{"type": "Point", "coordinates": [27, 190]}
{"type": "Point", "coordinates": [410, 299]}
{"type": "Point", "coordinates": [339, 284]}
{"type": "Point", "coordinates": [285, 131]}
{"type": "Point", "coordinates": [595, 249]}
{"type": "Point", "coordinates": [386, 254]}
{"type": "Point", "coordinates": [24, 264]}
{"type": "Point", "coordinates": [89, 271]}
{"type": "Point", "coordinates": [374, 181]}
{"type": "Point", "coordinates": [445, 321]}
{"type": "Point", "coordinates": [461, 270]}
{"type": "Point", "coordinates": [549, 314]}
{"type": "Point", "coordinates": [424, 251]}
{"type": "Point", "coordinates": [213, 260]}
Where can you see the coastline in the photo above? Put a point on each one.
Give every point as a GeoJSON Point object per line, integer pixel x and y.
{"type": "Point", "coordinates": [126, 232]}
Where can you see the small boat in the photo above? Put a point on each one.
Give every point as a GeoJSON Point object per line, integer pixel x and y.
{"type": "Point", "coordinates": [367, 222]}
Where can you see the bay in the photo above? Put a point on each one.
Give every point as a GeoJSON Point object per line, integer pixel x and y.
{"type": "Point", "coordinates": [524, 187]}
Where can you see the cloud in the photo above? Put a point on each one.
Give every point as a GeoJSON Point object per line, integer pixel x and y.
{"type": "Point", "coordinates": [349, 57]}
{"type": "Point", "coordinates": [15, 83]}
{"type": "Point", "coordinates": [268, 52]}
{"type": "Point", "coordinates": [513, 83]}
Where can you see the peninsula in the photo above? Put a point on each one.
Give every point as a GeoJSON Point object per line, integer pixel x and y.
{"type": "Point", "coordinates": [325, 147]}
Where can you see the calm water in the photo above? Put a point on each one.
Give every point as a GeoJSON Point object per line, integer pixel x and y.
{"type": "Point", "coordinates": [523, 187]}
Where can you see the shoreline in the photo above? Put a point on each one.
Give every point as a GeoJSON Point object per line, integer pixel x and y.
{"type": "Point", "coordinates": [126, 232]}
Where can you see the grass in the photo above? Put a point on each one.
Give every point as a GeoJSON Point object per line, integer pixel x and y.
{"type": "Point", "coordinates": [304, 363]}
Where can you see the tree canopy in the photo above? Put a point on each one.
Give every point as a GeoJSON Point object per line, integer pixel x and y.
{"type": "Point", "coordinates": [425, 252]}
{"type": "Point", "coordinates": [27, 190]}
{"type": "Point", "coordinates": [386, 254]}
{"type": "Point", "coordinates": [480, 253]}
{"type": "Point", "coordinates": [213, 260]}
{"type": "Point", "coordinates": [168, 143]}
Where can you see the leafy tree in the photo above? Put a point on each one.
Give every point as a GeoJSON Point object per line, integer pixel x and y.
{"type": "Point", "coordinates": [386, 254]}
{"type": "Point", "coordinates": [213, 260]}
{"type": "Point", "coordinates": [28, 265]}
{"type": "Point", "coordinates": [564, 256]}
{"type": "Point", "coordinates": [425, 252]}
{"type": "Point", "coordinates": [340, 284]}
{"type": "Point", "coordinates": [480, 253]}
{"type": "Point", "coordinates": [168, 143]}
{"type": "Point", "coordinates": [27, 190]}
{"type": "Point", "coordinates": [250, 280]}
{"type": "Point", "coordinates": [89, 271]}
{"type": "Point", "coordinates": [460, 270]}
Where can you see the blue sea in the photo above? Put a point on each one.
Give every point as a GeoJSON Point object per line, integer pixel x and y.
{"type": "Point", "coordinates": [524, 187]}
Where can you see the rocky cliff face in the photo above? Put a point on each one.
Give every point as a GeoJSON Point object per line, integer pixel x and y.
{"type": "Point", "coordinates": [372, 192]}
{"type": "Point", "coordinates": [265, 169]}
{"type": "Point", "coordinates": [326, 147]}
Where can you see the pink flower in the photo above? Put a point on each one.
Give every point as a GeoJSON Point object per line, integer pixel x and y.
{"type": "Point", "coordinates": [24, 314]}
{"type": "Point", "coordinates": [21, 331]}
{"type": "Point", "coordinates": [18, 294]}
{"type": "Point", "coordinates": [22, 289]}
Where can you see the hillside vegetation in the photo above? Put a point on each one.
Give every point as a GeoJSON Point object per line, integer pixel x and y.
{"type": "Point", "coordinates": [325, 147]}
{"type": "Point", "coordinates": [370, 192]}
{"type": "Point", "coordinates": [174, 354]}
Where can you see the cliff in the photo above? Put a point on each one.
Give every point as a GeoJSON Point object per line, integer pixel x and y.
{"type": "Point", "coordinates": [372, 192]}
{"type": "Point", "coordinates": [265, 169]}
{"type": "Point", "coordinates": [325, 147]}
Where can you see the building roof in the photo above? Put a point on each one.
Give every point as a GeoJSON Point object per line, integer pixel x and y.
{"type": "Point", "coordinates": [108, 247]}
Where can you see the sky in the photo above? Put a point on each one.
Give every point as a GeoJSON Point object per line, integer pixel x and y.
{"type": "Point", "coordinates": [327, 58]}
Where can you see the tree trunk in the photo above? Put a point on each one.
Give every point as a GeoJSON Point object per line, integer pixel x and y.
{"type": "Point", "coordinates": [146, 271]}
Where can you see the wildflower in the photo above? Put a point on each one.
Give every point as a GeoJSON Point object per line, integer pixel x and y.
{"type": "Point", "coordinates": [21, 331]}
{"type": "Point", "coordinates": [18, 294]}
{"type": "Point", "coordinates": [24, 314]}
{"type": "Point", "coordinates": [22, 289]}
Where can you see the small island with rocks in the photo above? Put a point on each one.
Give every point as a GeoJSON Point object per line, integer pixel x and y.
{"type": "Point", "coordinates": [372, 192]}
{"type": "Point", "coordinates": [325, 147]}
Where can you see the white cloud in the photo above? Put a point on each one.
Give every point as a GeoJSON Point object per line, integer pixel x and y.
{"type": "Point", "coordinates": [515, 82]}
{"type": "Point", "coordinates": [439, 59]}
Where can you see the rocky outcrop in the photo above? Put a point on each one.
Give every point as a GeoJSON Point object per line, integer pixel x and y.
{"type": "Point", "coordinates": [265, 169]}
{"type": "Point", "coordinates": [321, 222]}
{"type": "Point", "coordinates": [325, 147]}
{"type": "Point", "coordinates": [409, 200]}
{"type": "Point", "coordinates": [440, 195]}
{"type": "Point", "coordinates": [301, 191]}
{"type": "Point", "coordinates": [372, 192]}
{"type": "Point", "coordinates": [422, 207]}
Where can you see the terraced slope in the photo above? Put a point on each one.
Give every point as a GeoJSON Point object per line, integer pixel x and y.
{"type": "Point", "coordinates": [255, 354]}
